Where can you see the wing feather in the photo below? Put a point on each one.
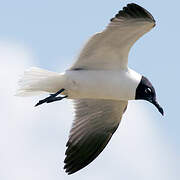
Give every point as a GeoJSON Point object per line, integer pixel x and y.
{"type": "Point", "coordinates": [110, 48]}
{"type": "Point", "coordinates": [94, 124]}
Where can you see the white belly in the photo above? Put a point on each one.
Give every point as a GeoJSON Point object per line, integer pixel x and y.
{"type": "Point", "coordinates": [115, 85]}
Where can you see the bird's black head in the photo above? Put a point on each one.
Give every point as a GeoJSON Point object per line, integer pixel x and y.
{"type": "Point", "coordinates": [146, 91]}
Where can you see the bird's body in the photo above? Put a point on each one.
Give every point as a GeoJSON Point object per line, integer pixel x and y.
{"type": "Point", "coordinates": [88, 84]}
{"type": "Point", "coordinates": [100, 83]}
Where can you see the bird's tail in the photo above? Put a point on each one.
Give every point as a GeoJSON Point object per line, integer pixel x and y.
{"type": "Point", "coordinates": [36, 81]}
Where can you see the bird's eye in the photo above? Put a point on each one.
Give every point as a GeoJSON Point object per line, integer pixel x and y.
{"type": "Point", "coordinates": [148, 91]}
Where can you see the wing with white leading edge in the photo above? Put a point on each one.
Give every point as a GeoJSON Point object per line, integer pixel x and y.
{"type": "Point", "coordinates": [110, 48]}
{"type": "Point", "coordinates": [94, 124]}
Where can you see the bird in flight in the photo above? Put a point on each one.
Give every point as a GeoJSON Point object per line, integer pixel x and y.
{"type": "Point", "coordinates": [100, 84]}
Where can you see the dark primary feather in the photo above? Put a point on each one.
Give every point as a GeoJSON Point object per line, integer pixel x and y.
{"type": "Point", "coordinates": [94, 124]}
{"type": "Point", "coordinates": [86, 152]}
{"type": "Point", "coordinates": [134, 11]}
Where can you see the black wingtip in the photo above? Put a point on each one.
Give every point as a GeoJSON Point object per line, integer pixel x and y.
{"type": "Point", "coordinates": [68, 170]}
{"type": "Point", "coordinates": [133, 10]}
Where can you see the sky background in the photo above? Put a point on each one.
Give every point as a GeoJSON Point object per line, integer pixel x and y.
{"type": "Point", "coordinates": [49, 34]}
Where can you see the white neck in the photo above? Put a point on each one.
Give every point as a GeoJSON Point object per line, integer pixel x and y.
{"type": "Point", "coordinates": [133, 80]}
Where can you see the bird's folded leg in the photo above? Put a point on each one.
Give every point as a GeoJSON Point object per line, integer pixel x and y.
{"type": "Point", "coordinates": [56, 99]}
{"type": "Point", "coordinates": [52, 98]}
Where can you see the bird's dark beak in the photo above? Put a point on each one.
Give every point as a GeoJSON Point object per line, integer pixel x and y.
{"type": "Point", "coordinates": [160, 109]}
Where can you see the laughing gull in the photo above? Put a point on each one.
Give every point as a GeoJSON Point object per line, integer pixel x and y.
{"type": "Point", "coordinates": [100, 83]}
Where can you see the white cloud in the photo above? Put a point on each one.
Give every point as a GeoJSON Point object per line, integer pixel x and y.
{"type": "Point", "coordinates": [32, 140]}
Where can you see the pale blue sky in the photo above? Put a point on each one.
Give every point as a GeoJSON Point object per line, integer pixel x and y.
{"type": "Point", "coordinates": [52, 33]}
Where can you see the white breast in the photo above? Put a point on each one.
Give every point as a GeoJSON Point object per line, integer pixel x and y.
{"type": "Point", "coordinates": [102, 84]}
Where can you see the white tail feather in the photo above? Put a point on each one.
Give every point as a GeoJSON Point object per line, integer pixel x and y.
{"type": "Point", "coordinates": [36, 81]}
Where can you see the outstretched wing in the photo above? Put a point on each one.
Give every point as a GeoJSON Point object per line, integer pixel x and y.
{"type": "Point", "coordinates": [94, 124]}
{"type": "Point", "coordinates": [110, 48]}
